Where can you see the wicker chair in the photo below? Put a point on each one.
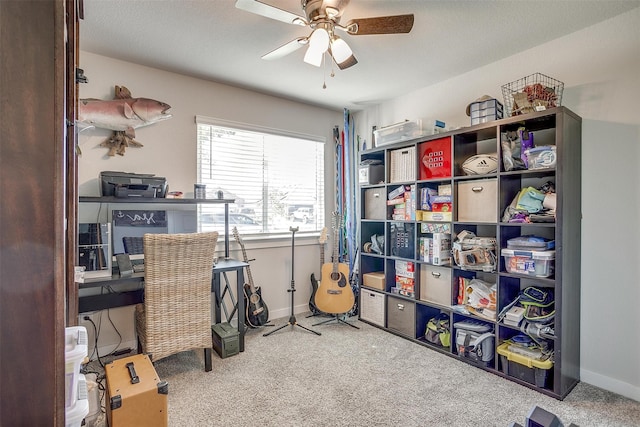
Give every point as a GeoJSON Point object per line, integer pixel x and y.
{"type": "Point", "coordinates": [176, 313]}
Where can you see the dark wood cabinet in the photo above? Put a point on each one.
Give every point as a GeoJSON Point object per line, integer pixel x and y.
{"type": "Point", "coordinates": [37, 196]}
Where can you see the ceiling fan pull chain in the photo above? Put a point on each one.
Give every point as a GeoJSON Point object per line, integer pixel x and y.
{"type": "Point", "coordinates": [324, 71]}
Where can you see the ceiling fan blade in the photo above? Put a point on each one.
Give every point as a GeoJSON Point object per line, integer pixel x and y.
{"type": "Point", "coordinates": [286, 49]}
{"type": "Point", "coordinates": [263, 9]}
{"type": "Point", "coordinates": [380, 25]}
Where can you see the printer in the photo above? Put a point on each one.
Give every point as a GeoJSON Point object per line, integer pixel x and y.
{"type": "Point", "coordinates": [126, 185]}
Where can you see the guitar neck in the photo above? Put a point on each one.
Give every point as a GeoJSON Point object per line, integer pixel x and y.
{"type": "Point", "coordinates": [246, 259]}
{"type": "Point", "coordinates": [336, 236]}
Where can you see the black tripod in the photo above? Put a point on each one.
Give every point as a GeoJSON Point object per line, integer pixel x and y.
{"type": "Point", "coordinates": [292, 318]}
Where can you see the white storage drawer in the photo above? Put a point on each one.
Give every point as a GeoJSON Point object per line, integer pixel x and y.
{"type": "Point", "coordinates": [477, 200]}
{"type": "Point", "coordinates": [435, 284]}
{"type": "Point", "coordinates": [372, 307]}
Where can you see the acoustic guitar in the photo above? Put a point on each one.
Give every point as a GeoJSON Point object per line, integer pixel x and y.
{"type": "Point", "coordinates": [256, 311]}
{"type": "Point", "coordinates": [334, 295]}
{"type": "Point", "coordinates": [314, 282]}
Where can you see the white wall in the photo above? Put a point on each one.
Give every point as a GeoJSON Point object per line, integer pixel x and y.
{"type": "Point", "coordinates": [600, 67]}
{"type": "Point", "coordinates": [170, 151]}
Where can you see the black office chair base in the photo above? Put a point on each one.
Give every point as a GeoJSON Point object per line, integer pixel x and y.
{"type": "Point", "coordinates": [336, 317]}
{"type": "Point", "coordinates": [292, 322]}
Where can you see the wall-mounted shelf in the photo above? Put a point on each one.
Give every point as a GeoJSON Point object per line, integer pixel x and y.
{"type": "Point", "coordinates": [97, 199]}
{"type": "Point", "coordinates": [164, 201]}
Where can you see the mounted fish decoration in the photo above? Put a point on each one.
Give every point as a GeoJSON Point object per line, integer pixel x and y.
{"type": "Point", "coordinates": [123, 115]}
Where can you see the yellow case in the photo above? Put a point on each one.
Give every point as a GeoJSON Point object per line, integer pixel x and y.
{"type": "Point", "coordinates": [135, 394]}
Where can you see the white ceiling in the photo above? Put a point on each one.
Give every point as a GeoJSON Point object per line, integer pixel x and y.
{"type": "Point", "coordinates": [214, 40]}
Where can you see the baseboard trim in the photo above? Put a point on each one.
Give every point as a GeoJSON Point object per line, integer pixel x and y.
{"type": "Point", "coordinates": [286, 312]}
{"type": "Point", "coordinates": [624, 389]}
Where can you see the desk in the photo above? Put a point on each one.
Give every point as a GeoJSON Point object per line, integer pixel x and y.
{"type": "Point", "coordinates": [136, 296]}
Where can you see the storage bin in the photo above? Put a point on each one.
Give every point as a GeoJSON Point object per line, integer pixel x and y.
{"type": "Point", "coordinates": [543, 157]}
{"type": "Point", "coordinates": [485, 111]}
{"type": "Point", "coordinates": [372, 307]}
{"type": "Point", "coordinates": [477, 200]}
{"type": "Point", "coordinates": [402, 166]}
{"type": "Point", "coordinates": [435, 284]}
{"type": "Point", "coordinates": [401, 316]}
{"type": "Point", "coordinates": [398, 132]}
{"type": "Point", "coordinates": [435, 158]}
{"type": "Point", "coordinates": [75, 350]}
{"type": "Point", "coordinates": [531, 263]}
{"type": "Point", "coordinates": [77, 413]}
{"type": "Point", "coordinates": [536, 372]}
{"type": "Point", "coordinates": [374, 280]}
{"type": "Point", "coordinates": [375, 203]}
{"type": "Point", "coordinates": [370, 174]}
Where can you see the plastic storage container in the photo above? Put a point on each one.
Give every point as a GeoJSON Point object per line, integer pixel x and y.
{"type": "Point", "coordinates": [75, 350]}
{"type": "Point", "coordinates": [485, 111]}
{"type": "Point", "coordinates": [531, 263]}
{"type": "Point", "coordinates": [533, 371]}
{"type": "Point", "coordinates": [531, 243]}
{"type": "Point", "coordinates": [80, 408]}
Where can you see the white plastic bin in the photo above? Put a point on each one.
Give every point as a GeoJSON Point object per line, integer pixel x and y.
{"type": "Point", "coordinates": [75, 350]}
{"type": "Point", "coordinates": [80, 408]}
{"type": "Point", "coordinates": [531, 263]}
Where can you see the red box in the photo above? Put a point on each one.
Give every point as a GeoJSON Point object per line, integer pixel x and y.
{"type": "Point", "coordinates": [435, 158]}
{"type": "Point", "coordinates": [441, 207]}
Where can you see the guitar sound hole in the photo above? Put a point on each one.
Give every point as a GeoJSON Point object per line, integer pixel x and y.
{"type": "Point", "coordinates": [339, 277]}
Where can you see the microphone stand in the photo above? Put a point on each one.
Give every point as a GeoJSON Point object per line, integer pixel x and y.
{"type": "Point", "coordinates": [292, 318]}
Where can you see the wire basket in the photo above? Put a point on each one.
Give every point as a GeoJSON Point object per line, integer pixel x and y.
{"type": "Point", "coordinates": [536, 92]}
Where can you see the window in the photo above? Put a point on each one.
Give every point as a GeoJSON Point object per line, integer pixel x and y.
{"type": "Point", "coordinates": [275, 177]}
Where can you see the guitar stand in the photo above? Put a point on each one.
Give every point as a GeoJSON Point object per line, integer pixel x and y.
{"type": "Point", "coordinates": [292, 318]}
{"type": "Point", "coordinates": [337, 318]}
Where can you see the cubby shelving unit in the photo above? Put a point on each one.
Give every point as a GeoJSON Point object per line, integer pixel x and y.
{"type": "Point", "coordinates": [407, 314]}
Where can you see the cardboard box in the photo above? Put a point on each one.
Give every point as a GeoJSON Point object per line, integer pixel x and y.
{"type": "Point", "coordinates": [374, 280]}
{"type": "Point", "coordinates": [436, 216]}
{"type": "Point", "coordinates": [441, 254]}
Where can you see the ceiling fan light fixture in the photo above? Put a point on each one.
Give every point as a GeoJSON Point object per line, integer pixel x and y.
{"type": "Point", "coordinates": [319, 40]}
{"type": "Point", "coordinates": [340, 50]}
{"type": "Point", "coordinates": [299, 21]}
{"type": "Point", "coordinates": [313, 56]}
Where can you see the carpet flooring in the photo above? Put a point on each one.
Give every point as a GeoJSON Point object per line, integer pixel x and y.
{"type": "Point", "coordinates": [361, 377]}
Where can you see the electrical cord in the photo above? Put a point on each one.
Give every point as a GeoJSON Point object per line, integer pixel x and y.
{"type": "Point", "coordinates": [96, 331]}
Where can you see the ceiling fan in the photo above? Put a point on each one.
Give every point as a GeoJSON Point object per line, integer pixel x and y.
{"type": "Point", "coordinates": [323, 17]}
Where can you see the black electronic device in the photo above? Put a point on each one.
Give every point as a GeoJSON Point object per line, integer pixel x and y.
{"type": "Point", "coordinates": [126, 184]}
{"type": "Point", "coordinates": [124, 265]}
